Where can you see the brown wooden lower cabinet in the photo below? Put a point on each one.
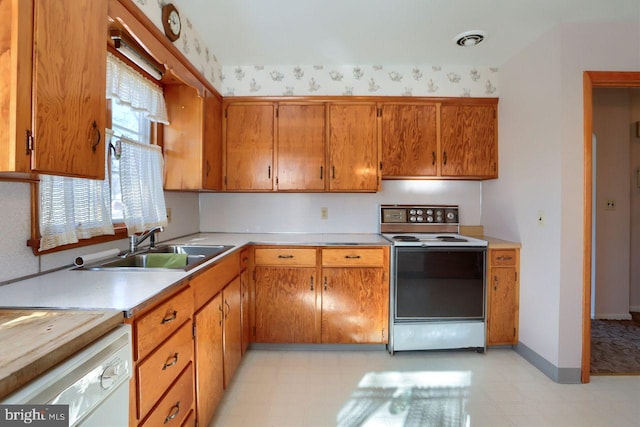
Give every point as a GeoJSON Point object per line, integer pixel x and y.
{"type": "Point", "coordinates": [322, 295]}
{"type": "Point", "coordinates": [503, 297]}
{"type": "Point", "coordinates": [231, 329]}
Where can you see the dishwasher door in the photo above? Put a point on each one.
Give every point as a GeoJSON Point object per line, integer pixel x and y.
{"type": "Point", "coordinates": [94, 383]}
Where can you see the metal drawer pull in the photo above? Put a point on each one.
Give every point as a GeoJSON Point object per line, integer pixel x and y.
{"type": "Point", "coordinates": [174, 360]}
{"type": "Point", "coordinates": [285, 256]}
{"type": "Point", "coordinates": [171, 318]}
{"type": "Point", "coordinates": [352, 256]}
{"type": "Point", "coordinates": [504, 258]}
{"type": "Point", "coordinates": [173, 413]}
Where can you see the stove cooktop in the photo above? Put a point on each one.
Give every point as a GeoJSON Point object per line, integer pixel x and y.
{"type": "Point", "coordinates": [433, 239]}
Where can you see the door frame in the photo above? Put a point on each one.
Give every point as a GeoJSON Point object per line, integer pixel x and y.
{"type": "Point", "coordinates": [591, 80]}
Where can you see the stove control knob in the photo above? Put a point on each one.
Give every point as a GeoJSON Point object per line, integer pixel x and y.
{"type": "Point", "coordinates": [419, 212]}
{"type": "Point", "coordinates": [412, 212]}
{"type": "Point", "coordinates": [451, 216]}
{"type": "Point", "coordinates": [420, 219]}
{"type": "Point", "coordinates": [412, 219]}
{"type": "Point", "coordinates": [429, 212]}
{"type": "Point", "coordinates": [429, 219]}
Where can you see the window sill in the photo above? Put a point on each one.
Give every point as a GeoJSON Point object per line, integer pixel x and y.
{"type": "Point", "coordinates": [120, 233]}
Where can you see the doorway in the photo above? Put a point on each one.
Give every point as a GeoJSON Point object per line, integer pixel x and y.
{"type": "Point", "coordinates": [591, 80]}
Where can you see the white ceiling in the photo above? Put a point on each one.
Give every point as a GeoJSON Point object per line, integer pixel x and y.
{"type": "Point", "coordinates": [384, 32]}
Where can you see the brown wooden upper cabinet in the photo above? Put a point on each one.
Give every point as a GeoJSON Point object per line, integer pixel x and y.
{"type": "Point", "coordinates": [52, 92]}
{"type": "Point", "coordinates": [249, 134]}
{"type": "Point", "coordinates": [192, 143]}
{"type": "Point", "coordinates": [409, 140]}
{"type": "Point", "coordinates": [469, 140]}
{"type": "Point", "coordinates": [354, 158]}
{"type": "Point", "coordinates": [301, 147]}
{"type": "Point", "coordinates": [456, 139]}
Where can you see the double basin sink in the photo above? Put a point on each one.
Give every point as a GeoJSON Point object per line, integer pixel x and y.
{"type": "Point", "coordinates": [173, 257]}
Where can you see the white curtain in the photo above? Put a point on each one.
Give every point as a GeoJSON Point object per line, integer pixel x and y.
{"type": "Point", "coordinates": [127, 86]}
{"type": "Point", "coordinates": [72, 209]}
{"type": "Point", "coordinates": [141, 170]}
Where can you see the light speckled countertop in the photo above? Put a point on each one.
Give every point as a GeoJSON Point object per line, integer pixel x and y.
{"type": "Point", "coordinates": [127, 290]}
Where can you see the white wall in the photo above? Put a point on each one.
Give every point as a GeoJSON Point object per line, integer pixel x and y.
{"type": "Point", "coordinates": [348, 213]}
{"type": "Point", "coordinates": [611, 127]}
{"type": "Point", "coordinates": [541, 168]}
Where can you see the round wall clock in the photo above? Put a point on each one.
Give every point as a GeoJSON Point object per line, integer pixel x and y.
{"type": "Point", "coordinates": [171, 22]}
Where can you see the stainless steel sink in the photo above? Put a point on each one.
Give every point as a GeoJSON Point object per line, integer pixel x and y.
{"type": "Point", "coordinates": [155, 259]}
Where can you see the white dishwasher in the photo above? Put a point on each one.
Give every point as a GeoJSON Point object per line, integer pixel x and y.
{"type": "Point", "coordinates": [94, 383]}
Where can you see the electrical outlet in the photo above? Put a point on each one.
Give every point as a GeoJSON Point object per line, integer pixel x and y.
{"type": "Point", "coordinates": [540, 218]}
{"type": "Point", "coordinates": [611, 205]}
{"type": "Point", "coordinates": [324, 213]}
{"type": "Point", "coordinates": [168, 214]}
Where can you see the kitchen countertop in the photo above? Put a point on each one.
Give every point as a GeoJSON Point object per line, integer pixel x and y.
{"type": "Point", "coordinates": [33, 341]}
{"type": "Point", "coordinates": [127, 290]}
{"type": "Point", "coordinates": [495, 243]}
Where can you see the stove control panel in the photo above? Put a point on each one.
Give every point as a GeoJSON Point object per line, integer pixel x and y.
{"type": "Point", "coordinates": [423, 214]}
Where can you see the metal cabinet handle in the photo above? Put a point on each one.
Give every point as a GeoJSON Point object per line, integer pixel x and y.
{"type": "Point", "coordinates": [173, 360]}
{"type": "Point", "coordinates": [495, 283]}
{"type": "Point", "coordinates": [269, 171]}
{"type": "Point", "coordinates": [228, 309]}
{"type": "Point", "coordinates": [433, 158]}
{"type": "Point", "coordinates": [333, 172]}
{"type": "Point", "coordinates": [285, 256]}
{"type": "Point", "coordinates": [172, 413]}
{"type": "Point", "coordinates": [96, 131]}
{"type": "Point", "coordinates": [170, 318]}
{"type": "Point", "coordinates": [321, 171]}
{"type": "Point", "coordinates": [444, 157]}
{"type": "Point", "coordinates": [352, 256]}
{"type": "Point", "coordinates": [504, 258]}
{"type": "Point", "coordinates": [325, 283]}
{"type": "Point", "coordinates": [311, 282]}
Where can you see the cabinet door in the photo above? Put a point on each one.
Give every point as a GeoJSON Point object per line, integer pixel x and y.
{"type": "Point", "coordinates": [469, 141]}
{"type": "Point", "coordinates": [209, 359]}
{"type": "Point", "coordinates": [69, 103]}
{"type": "Point", "coordinates": [286, 304]}
{"type": "Point", "coordinates": [503, 306]}
{"type": "Point", "coordinates": [353, 147]}
{"type": "Point", "coordinates": [246, 317]}
{"type": "Point", "coordinates": [232, 332]}
{"type": "Point", "coordinates": [301, 134]}
{"type": "Point", "coordinates": [182, 139]}
{"type": "Point", "coordinates": [354, 305]}
{"type": "Point", "coordinates": [249, 146]}
{"type": "Point", "coordinates": [212, 141]}
{"type": "Point", "coordinates": [409, 140]}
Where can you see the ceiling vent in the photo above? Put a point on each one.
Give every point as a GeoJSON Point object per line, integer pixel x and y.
{"type": "Point", "coordinates": [470, 38]}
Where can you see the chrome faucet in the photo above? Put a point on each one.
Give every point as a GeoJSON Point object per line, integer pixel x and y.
{"type": "Point", "coordinates": [134, 240]}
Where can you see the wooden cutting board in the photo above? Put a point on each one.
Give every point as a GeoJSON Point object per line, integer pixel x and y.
{"type": "Point", "coordinates": [32, 341]}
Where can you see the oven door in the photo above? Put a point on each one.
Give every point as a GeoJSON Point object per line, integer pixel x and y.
{"type": "Point", "coordinates": [439, 283]}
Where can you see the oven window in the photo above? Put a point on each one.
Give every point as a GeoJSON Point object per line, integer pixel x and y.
{"type": "Point", "coordinates": [437, 283]}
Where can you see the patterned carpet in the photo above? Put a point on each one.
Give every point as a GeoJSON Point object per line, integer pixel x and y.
{"type": "Point", "coordinates": [615, 347]}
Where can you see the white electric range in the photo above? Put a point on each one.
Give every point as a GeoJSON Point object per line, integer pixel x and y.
{"type": "Point", "coordinates": [438, 284]}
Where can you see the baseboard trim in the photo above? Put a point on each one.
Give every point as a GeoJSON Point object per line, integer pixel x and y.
{"type": "Point", "coordinates": [317, 347]}
{"type": "Point", "coordinates": [613, 316]}
{"type": "Point", "coordinates": [634, 309]}
{"type": "Point", "coordinates": [559, 375]}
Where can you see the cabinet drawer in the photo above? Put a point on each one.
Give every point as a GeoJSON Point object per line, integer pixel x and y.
{"type": "Point", "coordinates": [175, 405]}
{"type": "Point", "coordinates": [371, 257]}
{"type": "Point", "coordinates": [208, 283]}
{"type": "Point", "coordinates": [153, 327]}
{"type": "Point", "coordinates": [501, 257]}
{"type": "Point", "coordinates": [284, 256]}
{"type": "Point", "coordinates": [157, 372]}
